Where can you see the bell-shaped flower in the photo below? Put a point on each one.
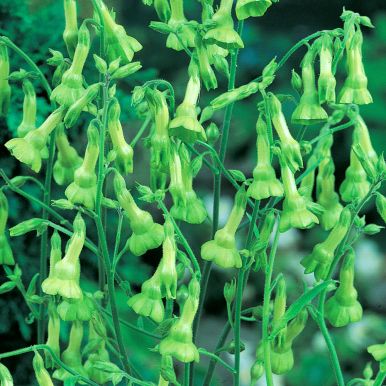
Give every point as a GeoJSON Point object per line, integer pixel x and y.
{"type": "Point", "coordinates": [28, 150]}
{"type": "Point", "coordinates": [146, 233]}
{"type": "Point", "coordinates": [6, 255]}
{"type": "Point", "coordinates": [289, 146]}
{"type": "Point", "coordinates": [265, 184]}
{"type": "Point", "coordinates": [251, 8]}
{"type": "Point", "coordinates": [343, 307]}
{"type": "Point", "coordinates": [322, 255]}
{"type": "Point", "coordinates": [82, 309]}
{"type": "Point", "coordinates": [378, 351]}
{"type": "Point", "coordinates": [64, 279]}
{"type": "Point", "coordinates": [355, 86]}
{"type": "Point", "coordinates": [70, 33]}
{"type": "Point", "coordinates": [42, 375]}
{"type": "Point", "coordinates": [326, 80]}
{"type": "Point", "coordinates": [123, 151]}
{"type": "Point", "coordinates": [223, 33]}
{"type": "Point", "coordinates": [222, 249]}
{"type": "Point", "coordinates": [179, 341]}
{"type": "Point", "coordinates": [309, 111]}
{"type": "Point", "coordinates": [5, 88]}
{"type": "Point", "coordinates": [28, 122]}
{"type": "Point", "coordinates": [83, 190]}
{"type": "Point", "coordinates": [68, 159]}
{"type": "Point", "coordinates": [53, 334]}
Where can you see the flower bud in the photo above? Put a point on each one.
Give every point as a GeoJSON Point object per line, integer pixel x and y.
{"type": "Point", "coordinates": [29, 110]}
{"type": "Point", "coordinates": [42, 376]}
{"type": "Point", "coordinates": [34, 224]}
{"type": "Point", "coordinates": [380, 203]}
{"type": "Point", "coordinates": [230, 291]}
{"type": "Point", "coordinates": [5, 376]}
{"type": "Point", "coordinates": [207, 74]}
{"type": "Point", "coordinates": [126, 70]}
{"type": "Point", "coordinates": [257, 371]}
{"type": "Point", "coordinates": [251, 8]}
{"type": "Point", "coordinates": [212, 133]}
{"type": "Point", "coordinates": [296, 81]}
{"type": "Point", "coordinates": [162, 8]}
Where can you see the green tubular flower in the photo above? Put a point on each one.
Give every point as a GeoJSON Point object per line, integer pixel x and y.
{"type": "Point", "coordinates": [380, 203]}
{"type": "Point", "coordinates": [343, 307]}
{"type": "Point", "coordinates": [124, 152]}
{"type": "Point", "coordinates": [83, 190]}
{"type": "Point", "coordinates": [222, 249]}
{"type": "Point", "coordinates": [117, 42]}
{"type": "Point", "coordinates": [251, 8]}
{"type": "Point", "coordinates": [82, 309]}
{"type": "Point", "coordinates": [70, 34]}
{"type": "Point", "coordinates": [185, 125]}
{"type": "Point", "coordinates": [309, 111]}
{"type": "Point", "coordinates": [326, 81]}
{"type": "Point", "coordinates": [295, 213]}
{"type": "Point", "coordinates": [5, 376]}
{"type": "Point", "coordinates": [223, 34]}
{"type": "Point", "coordinates": [201, 54]}
{"type": "Point", "coordinates": [179, 341]}
{"type": "Point", "coordinates": [257, 371]}
{"type": "Point", "coordinates": [361, 137]}
{"type": "Point", "coordinates": [378, 351]}
{"type": "Point", "coordinates": [28, 122]}
{"type": "Point", "coordinates": [64, 279]}
{"type": "Point", "coordinates": [6, 255]}
{"type": "Point", "coordinates": [68, 159]}
{"type": "Point", "coordinates": [42, 376]}
{"type": "Point", "coordinates": [177, 187]}
{"type": "Point", "coordinates": [265, 184]}
{"type": "Point", "coordinates": [55, 257]}
{"type": "Point", "coordinates": [5, 88]}
{"type": "Point", "coordinates": [322, 255]}
{"type": "Point", "coordinates": [72, 355]}
{"type": "Point", "coordinates": [162, 8]}
{"type": "Point", "coordinates": [146, 233]}
{"type": "Point", "coordinates": [355, 86]}
{"type": "Point", "coordinates": [28, 150]}
{"type": "Point", "coordinates": [53, 334]}
{"type": "Point", "coordinates": [149, 301]}
{"type": "Point", "coordinates": [290, 148]}
{"type": "Point", "coordinates": [178, 23]}
{"type": "Point", "coordinates": [71, 88]}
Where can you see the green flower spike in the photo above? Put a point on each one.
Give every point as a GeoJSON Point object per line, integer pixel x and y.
{"type": "Point", "coordinates": [295, 213]}
{"type": "Point", "coordinates": [28, 122]}
{"type": "Point", "coordinates": [70, 34]}
{"type": "Point", "coordinates": [289, 146]}
{"type": "Point", "coordinates": [223, 33]}
{"type": "Point", "coordinates": [6, 255]}
{"type": "Point", "coordinates": [378, 351]}
{"type": "Point", "coordinates": [326, 81]}
{"type": "Point", "coordinates": [64, 279]}
{"type": "Point", "coordinates": [71, 88]}
{"type": "Point", "coordinates": [251, 8]}
{"type": "Point", "coordinates": [72, 356]}
{"type": "Point", "coordinates": [185, 125]}
{"type": "Point", "coordinates": [53, 334]}
{"type": "Point", "coordinates": [28, 150]}
{"type": "Point", "coordinates": [5, 88]}
{"type": "Point", "coordinates": [309, 111]}
{"type": "Point", "coordinates": [355, 86]}
{"type": "Point", "coordinates": [118, 44]}
{"type": "Point", "coordinates": [343, 307]}
{"type": "Point", "coordinates": [146, 233]}
{"type": "Point", "coordinates": [42, 376]}
{"type": "Point", "coordinates": [83, 190]}
{"type": "Point", "coordinates": [149, 301]}
{"type": "Point", "coordinates": [82, 309]}
{"type": "Point", "coordinates": [265, 184]}
{"type": "Point", "coordinates": [68, 159]}
{"type": "Point", "coordinates": [322, 255]}
{"type": "Point", "coordinates": [124, 152]}
{"type": "Point", "coordinates": [162, 8]}
{"type": "Point", "coordinates": [179, 341]}
{"type": "Point", "coordinates": [222, 249]}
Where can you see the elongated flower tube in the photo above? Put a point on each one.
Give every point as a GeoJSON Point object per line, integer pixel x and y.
{"type": "Point", "coordinates": [71, 356]}
{"type": "Point", "coordinates": [55, 257]}
{"type": "Point", "coordinates": [117, 42]}
{"type": "Point", "coordinates": [178, 22]}
{"type": "Point", "coordinates": [5, 376]}
{"type": "Point", "coordinates": [326, 80]}
{"type": "Point", "coordinates": [185, 125]}
{"type": "Point", "coordinates": [68, 159]}
{"type": "Point", "coordinates": [251, 8]}
{"type": "Point", "coordinates": [361, 137]}
{"type": "Point", "coordinates": [309, 111]}
{"type": "Point", "coordinates": [124, 152]}
{"type": "Point", "coordinates": [265, 184]}
{"type": "Point", "coordinates": [289, 146]}
{"type": "Point", "coordinates": [355, 86]}
{"type": "Point", "coordinates": [28, 150]}
{"type": "Point", "coordinates": [322, 255]}
{"type": "Point", "coordinates": [71, 88]}
{"type": "Point", "coordinates": [179, 341]}
{"type": "Point", "coordinates": [295, 213]}
{"type": "Point", "coordinates": [6, 255]}
{"type": "Point", "coordinates": [64, 280]}
{"type": "Point", "coordinates": [53, 334]}
{"type": "Point", "coordinates": [343, 307]}
{"type": "Point", "coordinates": [5, 88]}
{"type": "Point", "coordinates": [162, 8]}
{"type": "Point", "coordinates": [222, 249]}
{"type": "Point", "coordinates": [42, 376]}
{"type": "Point", "coordinates": [378, 351]}
{"type": "Point", "coordinates": [207, 74]}
{"type": "Point", "coordinates": [83, 190]}
{"type": "Point", "coordinates": [223, 33]}
{"type": "Point", "coordinates": [146, 233]}
{"type": "Point", "coordinates": [28, 122]}
{"type": "Point", "coordinates": [70, 33]}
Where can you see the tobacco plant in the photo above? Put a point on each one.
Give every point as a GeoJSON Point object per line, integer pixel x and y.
{"type": "Point", "coordinates": [291, 186]}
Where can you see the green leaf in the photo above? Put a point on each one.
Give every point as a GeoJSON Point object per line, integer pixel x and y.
{"type": "Point", "coordinates": [238, 175]}
{"type": "Point", "coordinates": [7, 287]}
{"type": "Point", "coordinates": [32, 285]}
{"type": "Point", "coordinates": [196, 165]}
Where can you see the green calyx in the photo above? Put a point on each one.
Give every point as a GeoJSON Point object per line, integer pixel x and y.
{"type": "Point", "coordinates": [251, 8]}
{"type": "Point", "coordinates": [70, 33]}
{"type": "Point", "coordinates": [28, 122]}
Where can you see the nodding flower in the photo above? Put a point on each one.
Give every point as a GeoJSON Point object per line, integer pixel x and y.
{"type": "Point", "coordinates": [326, 80]}
{"type": "Point", "coordinates": [5, 88]}
{"type": "Point", "coordinates": [82, 309]}
{"type": "Point", "coordinates": [222, 249]}
{"type": "Point", "coordinates": [28, 122]}
{"type": "Point", "coordinates": [70, 33]}
{"type": "Point", "coordinates": [378, 351]}
{"type": "Point", "coordinates": [42, 375]}
{"type": "Point", "coordinates": [53, 333]}
{"type": "Point", "coordinates": [251, 8]}
{"type": "Point", "coordinates": [6, 255]}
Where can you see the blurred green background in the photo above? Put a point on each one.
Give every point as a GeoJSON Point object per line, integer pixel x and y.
{"type": "Point", "coordinates": [37, 26]}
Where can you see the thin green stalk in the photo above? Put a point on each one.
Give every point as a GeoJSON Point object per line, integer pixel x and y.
{"type": "Point", "coordinates": [186, 374]}
{"type": "Point", "coordinates": [380, 378]}
{"type": "Point", "coordinates": [141, 130]}
{"type": "Point", "coordinates": [217, 359]}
